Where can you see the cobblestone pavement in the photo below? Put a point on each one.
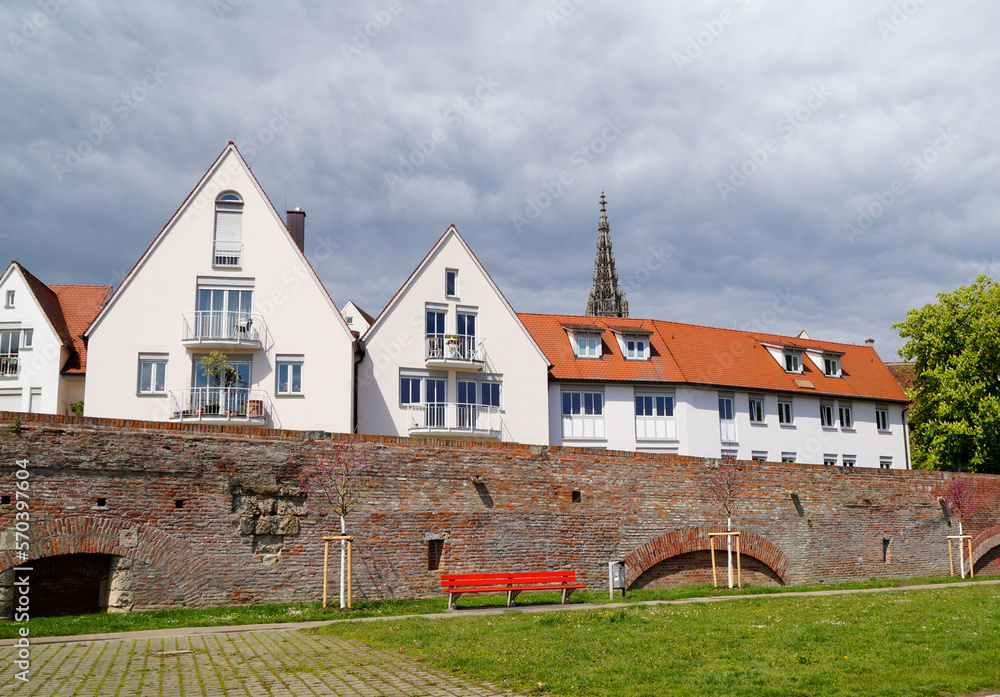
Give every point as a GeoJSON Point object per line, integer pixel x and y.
{"type": "Point", "coordinates": [279, 663]}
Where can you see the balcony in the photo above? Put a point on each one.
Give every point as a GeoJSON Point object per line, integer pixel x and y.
{"type": "Point", "coordinates": [454, 421]}
{"type": "Point", "coordinates": [8, 365]}
{"type": "Point", "coordinates": [454, 351]}
{"type": "Point", "coordinates": [221, 329]}
{"type": "Point", "coordinates": [219, 405]}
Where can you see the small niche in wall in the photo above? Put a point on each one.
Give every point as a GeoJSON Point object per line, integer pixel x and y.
{"type": "Point", "coordinates": [577, 496]}
{"type": "Point", "coordinates": [178, 503]}
{"type": "Point", "coordinates": [4, 500]}
{"type": "Point", "coordinates": [435, 548]}
{"type": "Point", "coordinates": [101, 501]}
{"type": "Point", "coordinates": [886, 551]}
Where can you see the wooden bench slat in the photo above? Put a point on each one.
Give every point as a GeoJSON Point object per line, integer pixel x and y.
{"type": "Point", "coordinates": [511, 583]}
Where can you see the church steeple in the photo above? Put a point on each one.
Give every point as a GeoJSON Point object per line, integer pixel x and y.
{"type": "Point", "coordinates": [606, 298]}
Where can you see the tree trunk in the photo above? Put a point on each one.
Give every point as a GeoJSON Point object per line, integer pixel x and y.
{"type": "Point", "coordinates": [343, 560]}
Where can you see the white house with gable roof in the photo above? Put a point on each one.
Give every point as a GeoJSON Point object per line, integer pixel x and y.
{"type": "Point", "coordinates": [449, 358]}
{"type": "Point", "coordinates": [225, 275]}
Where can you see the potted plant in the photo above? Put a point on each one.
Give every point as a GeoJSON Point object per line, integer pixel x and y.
{"type": "Point", "coordinates": [218, 368]}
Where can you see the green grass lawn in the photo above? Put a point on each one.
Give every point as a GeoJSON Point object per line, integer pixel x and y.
{"type": "Point", "coordinates": [928, 642]}
{"type": "Point", "coordinates": [102, 623]}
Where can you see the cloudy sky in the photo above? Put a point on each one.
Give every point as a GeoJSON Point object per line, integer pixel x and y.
{"type": "Point", "coordinates": [773, 165]}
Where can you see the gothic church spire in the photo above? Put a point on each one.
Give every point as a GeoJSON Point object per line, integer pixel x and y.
{"type": "Point", "coordinates": [606, 298]}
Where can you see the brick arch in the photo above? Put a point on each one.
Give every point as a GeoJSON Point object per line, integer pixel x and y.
{"type": "Point", "coordinates": [984, 542]}
{"type": "Point", "coordinates": [695, 540]}
{"type": "Point", "coordinates": [96, 535]}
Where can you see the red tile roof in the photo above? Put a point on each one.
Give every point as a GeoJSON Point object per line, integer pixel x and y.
{"type": "Point", "coordinates": [70, 309]}
{"type": "Point", "coordinates": [726, 358]}
{"type": "Point", "coordinates": [80, 305]}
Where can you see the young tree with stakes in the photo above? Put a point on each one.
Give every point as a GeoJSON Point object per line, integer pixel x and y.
{"type": "Point", "coordinates": [727, 492]}
{"type": "Point", "coordinates": [335, 483]}
{"type": "Point", "coordinates": [959, 502]}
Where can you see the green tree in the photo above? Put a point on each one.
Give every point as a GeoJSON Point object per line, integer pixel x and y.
{"type": "Point", "coordinates": [956, 390]}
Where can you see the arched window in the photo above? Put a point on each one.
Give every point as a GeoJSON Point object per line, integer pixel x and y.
{"type": "Point", "coordinates": [228, 250]}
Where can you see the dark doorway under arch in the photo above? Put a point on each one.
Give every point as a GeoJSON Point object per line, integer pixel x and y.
{"type": "Point", "coordinates": [70, 584]}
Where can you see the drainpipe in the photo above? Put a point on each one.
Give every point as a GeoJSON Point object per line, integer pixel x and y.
{"type": "Point", "coordinates": [359, 355]}
{"type": "Point", "coordinates": [906, 437]}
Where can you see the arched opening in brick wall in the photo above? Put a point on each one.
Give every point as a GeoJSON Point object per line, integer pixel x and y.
{"type": "Point", "coordinates": [64, 584]}
{"type": "Point", "coordinates": [682, 556]}
{"type": "Point", "coordinates": [986, 551]}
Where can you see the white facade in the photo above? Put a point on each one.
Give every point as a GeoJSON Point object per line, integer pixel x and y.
{"type": "Point", "coordinates": [696, 427]}
{"type": "Point", "coordinates": [449, 358]}
{"type": "Point", "coordinates": [223, 275]}
{"type": "Point", "coordinates": [32, 353]}
{"type": "Point", "coordinates": [357, 319]}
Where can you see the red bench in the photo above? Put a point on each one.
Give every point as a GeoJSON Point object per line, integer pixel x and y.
{"type": "Point", "coordinates": [510, 583]}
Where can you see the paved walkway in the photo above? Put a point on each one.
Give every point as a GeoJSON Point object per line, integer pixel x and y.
{"type": "Point", "coordinates": [278, 663]}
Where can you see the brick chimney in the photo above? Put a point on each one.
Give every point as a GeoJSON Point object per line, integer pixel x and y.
{"type": "Point", "coordinates": [295, 221]}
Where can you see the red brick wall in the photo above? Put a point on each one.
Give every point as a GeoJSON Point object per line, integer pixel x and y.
{"type": "Point", "coordinates": [245, 534]}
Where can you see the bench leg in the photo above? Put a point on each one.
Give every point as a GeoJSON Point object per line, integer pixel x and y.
{"type": "Point", "coordinates": [510, 597]}
{"type": "Point", "coordinates": [566, 594]}
{"type": "Point", "coordinates": [452, 602]}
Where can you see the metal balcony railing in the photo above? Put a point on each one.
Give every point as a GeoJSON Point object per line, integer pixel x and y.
{"type": "Point", "coordinates": [219, 404]}
{"type": "Point", "coordinates": [219, 326]}
{"type": "Point", "coordinates": [8, 365]}
{"type": "Point", "coordinates": [227, 254]}
{"type": "Point", "coordinates": [454, 347]}
{"type": "Point", "coordinates": [454, 418]}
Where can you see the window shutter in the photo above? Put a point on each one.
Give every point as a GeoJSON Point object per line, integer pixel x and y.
{"type": "Point", "coordinates": [228, 226]}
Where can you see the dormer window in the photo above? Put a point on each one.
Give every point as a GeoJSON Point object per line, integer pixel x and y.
{"type": "Point", "coordinates": [10, 299]}
{"type": "Point", "coordinates": [831, 366]}
{"type": "Point", "coordinates": [637, 348]}
{"type": "Point", "coordinates": [793, 361]}
{"type": "Point", "coordinates": [228, 248]}
{"type": "Point", "coordinates": [451, 283]}
{"type": "Point", "coordinates": [588, 346]}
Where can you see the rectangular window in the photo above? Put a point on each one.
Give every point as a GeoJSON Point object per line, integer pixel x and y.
{"type": "Point", "coordinates": [224, 314]}
{"type": "Point", "coordinates": [434, 325]}
{"type": "Point", "coordinates": [588, 346]}
{"type": "Point", "coordinates": [793, 362]}
{"type": "Point", "coordinates": [583, 414]}
{"type": "Point", "coordinates": [727, 421]}
{"type": "Point", "coordinates": [152, 373]}
{"type": "Point", "coordinates": [785, 412]}
{"type": "Point", "coordinates": [826, 415]}
{"type": "Point", "coordinates": [788, 457]}
{"type": "Point", "coordinates": [756, 409]}
{"type": "Point", "coordinates": [10, 343]}
{"type": "Point", "coordinates": [10, 299]}
{"type": "Point", "coordinates": [831, 366]}
{"type": "Point", "coordinates": [409, 390]}
{"type": "Point", "coordinates": [882, 418]}
{"type": "Point", "coordinates": [26, 337]}
{"type": "Point", "coordinates": [830, 460]}
{"type": "Point", "coordinates": [636, 349]}
{"type": "Point", "coordinates": [654, 417]}
{"type": "Point", "coordinates": [489, 394]}
{"type": "Point", "coordinates": [759, 456]}
{"type": "Point", "coordinates": [289, 377]}
{"type": "Point", "coordinates": [228, 249]}
{"type": "Point", "coordinates": [846, 416]}
{"type": "Point", "coordinates": [885, 463]}
{"type": "Point", "coordinates": [849, 460]}
{"type": "Point", "coordinates": [451, 283]}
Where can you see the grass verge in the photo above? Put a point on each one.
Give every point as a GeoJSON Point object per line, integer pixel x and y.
{"type": "Point", "coordinates": [918, 643]}
{"type": "Point", "coordinates": [103, 623]}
